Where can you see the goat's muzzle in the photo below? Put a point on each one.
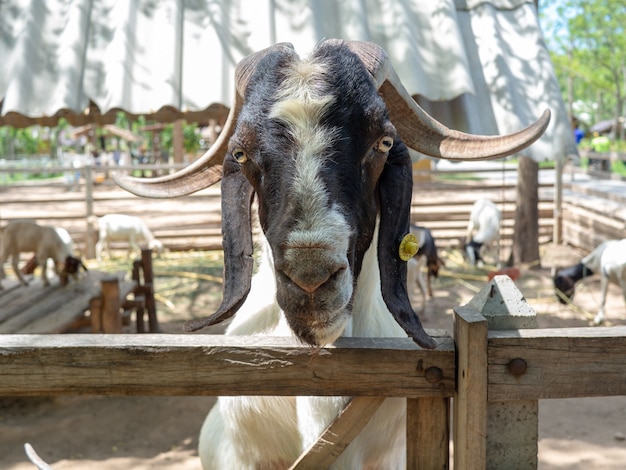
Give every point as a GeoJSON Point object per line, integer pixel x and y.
{"type": "Point", "coordinates": [71, 268]}
{"type": "Point", "coordinates": [314, 289]}
{"type": "Point", "coordinates": [564, 288]}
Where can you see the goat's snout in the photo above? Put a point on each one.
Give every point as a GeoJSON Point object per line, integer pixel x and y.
{"type": "Point", "coordinates": [565, 286]}
{"type": "Point", "coordinates": [311, 272]}
{"type": "Point", "coordinates": [314, 287]}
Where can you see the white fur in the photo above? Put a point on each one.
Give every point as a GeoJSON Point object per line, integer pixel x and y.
{"type": "Point", "coordinates": [483, 227]}
{"type": "Point", "coordinates": [609, 260]}
{"type": "Point", "coordinates": [271, 432]}
{"type": "Point", "coordinates": [416, 267]}
{"type": "Point", "coordinates": [120, 227]}
{"type": "Point", "coordinates": [27, 236]}
{"type": "Point", "coordinates": [415, 275]}
{"type": "Point", "coordinates": [66, 238]}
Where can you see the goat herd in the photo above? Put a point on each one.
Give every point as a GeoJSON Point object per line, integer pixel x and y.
{"type": "Point", "coordinates": [321, 144]}
{"type": "Point", "coordinates": [54, 246]}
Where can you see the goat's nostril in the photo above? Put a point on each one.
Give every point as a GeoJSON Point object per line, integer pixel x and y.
{"type": "Point", "coordinates": [311, 280]}
{"type": "Point", "coordinates": [310, 288]}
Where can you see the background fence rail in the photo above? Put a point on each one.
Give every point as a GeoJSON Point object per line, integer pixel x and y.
{"type": "Point", "coordinates": [442, 200]}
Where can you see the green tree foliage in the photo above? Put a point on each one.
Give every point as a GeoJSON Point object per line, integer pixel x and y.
{"type": "Point", "coordinates": [587, 40]}
{"type": "Point", "coordinates": [19, 141]}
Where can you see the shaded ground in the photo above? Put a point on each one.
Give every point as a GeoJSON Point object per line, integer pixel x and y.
{"type": "Point", "coordinates": [112, 433]}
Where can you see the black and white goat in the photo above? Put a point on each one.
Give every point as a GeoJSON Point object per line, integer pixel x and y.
{"type": "Point", "coordinates": [483, 231]}
{"type": "Point", "coordinates": [426, 257]}
{"type": "Point", "coordinates": [608, 259]}
{"type": "Point", "coordinates": [322, 143]}
{"type": "Point", "coordinates": [73, 264]}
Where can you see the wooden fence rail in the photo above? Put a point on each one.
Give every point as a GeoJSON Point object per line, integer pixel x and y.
{"type": "Point", "coordinates": [442, 201]}
{"type": "Point", "coordinates": [190, 222]}
{"type": "Point", "coordinates": [216, 365]}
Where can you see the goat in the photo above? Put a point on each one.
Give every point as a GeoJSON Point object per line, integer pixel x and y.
{"type": "Point", "coordinates": [322, 143]}
{"type": "Point", "coordinates": [128, 228]}
{"type": "Point", "coordinates": [27, 236]}
{"type": "Point", "coordinates": [608, 259]}
{"type": "Point", "coordinates": [72, 266]}
{"type": "Point", "coordinates": [426, 257]}
{"type": "Point", "coordinates": [483, 231]}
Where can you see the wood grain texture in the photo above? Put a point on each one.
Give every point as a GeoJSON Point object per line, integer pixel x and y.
{"type": "Point", "coordinates": [561, 363]}
{"type": "Point", "coordinates": [341, 432]}
{"type": "Point", "coordinates": [470, 403]}
{"type": "Point", "coordinates": [428, 433]}
{"type": "Point", "coordinates": [155, 364]}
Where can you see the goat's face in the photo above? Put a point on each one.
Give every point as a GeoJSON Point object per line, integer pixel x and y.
{"type": "Point", "coordinates": [565, 287]}
{"type": "Point", "coordinates": [433, 266]}
{"type": "Point", "coordinates": [156, 245]}
{"type": "Point", "coordinates": [565, 281]}
{"type": "Point", "coordinates": [314, 155]}
{"type": "Point", "coordinates": [314, 140]}
{"type": "Point", "coordinates": [70, 268]}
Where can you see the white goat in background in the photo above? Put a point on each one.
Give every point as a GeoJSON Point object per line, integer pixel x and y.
{"type": "Point", "coordinates": [127, 228]}
{"type": "Point", "coordinates": [483, 232]}
{"type": "Point", "coordinates": [322, 144]}
{"type": "Point", "coordinates": [29, 237]}
{"type": "Point", "coordinates": [72, 264]}
{"type": "Point", "coordinates": [609, 260]}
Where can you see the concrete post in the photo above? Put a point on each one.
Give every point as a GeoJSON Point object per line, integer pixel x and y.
{"type": "Point", "coordinates": [512, 426]}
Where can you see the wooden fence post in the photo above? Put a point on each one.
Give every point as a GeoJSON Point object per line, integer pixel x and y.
{"type": "Point", "coordinates": [557, 235]}
{"type": "Point", "coordinates": [90, 236]}
{"type": "Point", "coordinates": [470, 401]}
{"type": "Point", "coordinates": [111, 318]}
{"type": "Point", "coordinates": [428, 433]}
{"type": "Point", "coordinates": [148, 286]}
{"type": "Point", "coordinates": [512, 426]}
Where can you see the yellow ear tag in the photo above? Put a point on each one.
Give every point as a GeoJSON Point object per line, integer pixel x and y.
{"type": "Point", "coordinates": [408, 247]}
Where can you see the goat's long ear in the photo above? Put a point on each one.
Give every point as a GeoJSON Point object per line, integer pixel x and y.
{"type": "Point", "coordinates": [237, 194]}
{"type": "Point", "coordinates": [395, 190]}
{"type": "Point", "coordinates": [422, 132]}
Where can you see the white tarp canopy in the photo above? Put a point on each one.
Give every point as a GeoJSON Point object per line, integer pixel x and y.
{"type": "Point", "coordinates": [478, 66]}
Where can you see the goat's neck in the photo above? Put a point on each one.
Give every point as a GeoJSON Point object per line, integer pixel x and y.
{"type": "Point", "coordinates": [593, 259]}
{"type": "Point", "coordinates": [147, 234]}
{"type": "Point", "coordinates": [370, 316]}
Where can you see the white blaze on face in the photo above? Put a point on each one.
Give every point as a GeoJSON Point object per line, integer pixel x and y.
{"type": "Point", "coordinates": [320, 237]}
{"type": "Point", "coordinates": [300, 105]}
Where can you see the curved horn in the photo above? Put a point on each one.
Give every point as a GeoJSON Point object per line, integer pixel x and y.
{"type": "Point", "coordinates": [422, 132]}
{"type": "Point", "coordinates": [207, 170]}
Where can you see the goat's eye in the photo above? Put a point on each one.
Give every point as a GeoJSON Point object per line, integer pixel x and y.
{"type": "Point", "coordinates": [384, 144]}
{"type": "Point", "coordinates": [240, 155]}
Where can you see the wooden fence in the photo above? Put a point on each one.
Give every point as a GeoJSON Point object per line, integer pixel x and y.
{"type": "Point", "coordinates": [442, 201]}
{"type": "Point", "coordinates": [591, 214]}
{"type": "Point", "coordinates": [190, 222]}
{"type": "Point", "coordinates": [496, 377]}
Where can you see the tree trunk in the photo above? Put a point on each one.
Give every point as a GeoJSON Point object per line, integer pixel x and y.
{"type": "Point", "coordinates": [526, 230]}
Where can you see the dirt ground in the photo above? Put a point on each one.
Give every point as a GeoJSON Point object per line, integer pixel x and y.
{"type": "Point", "coordinates": [111, 433]}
